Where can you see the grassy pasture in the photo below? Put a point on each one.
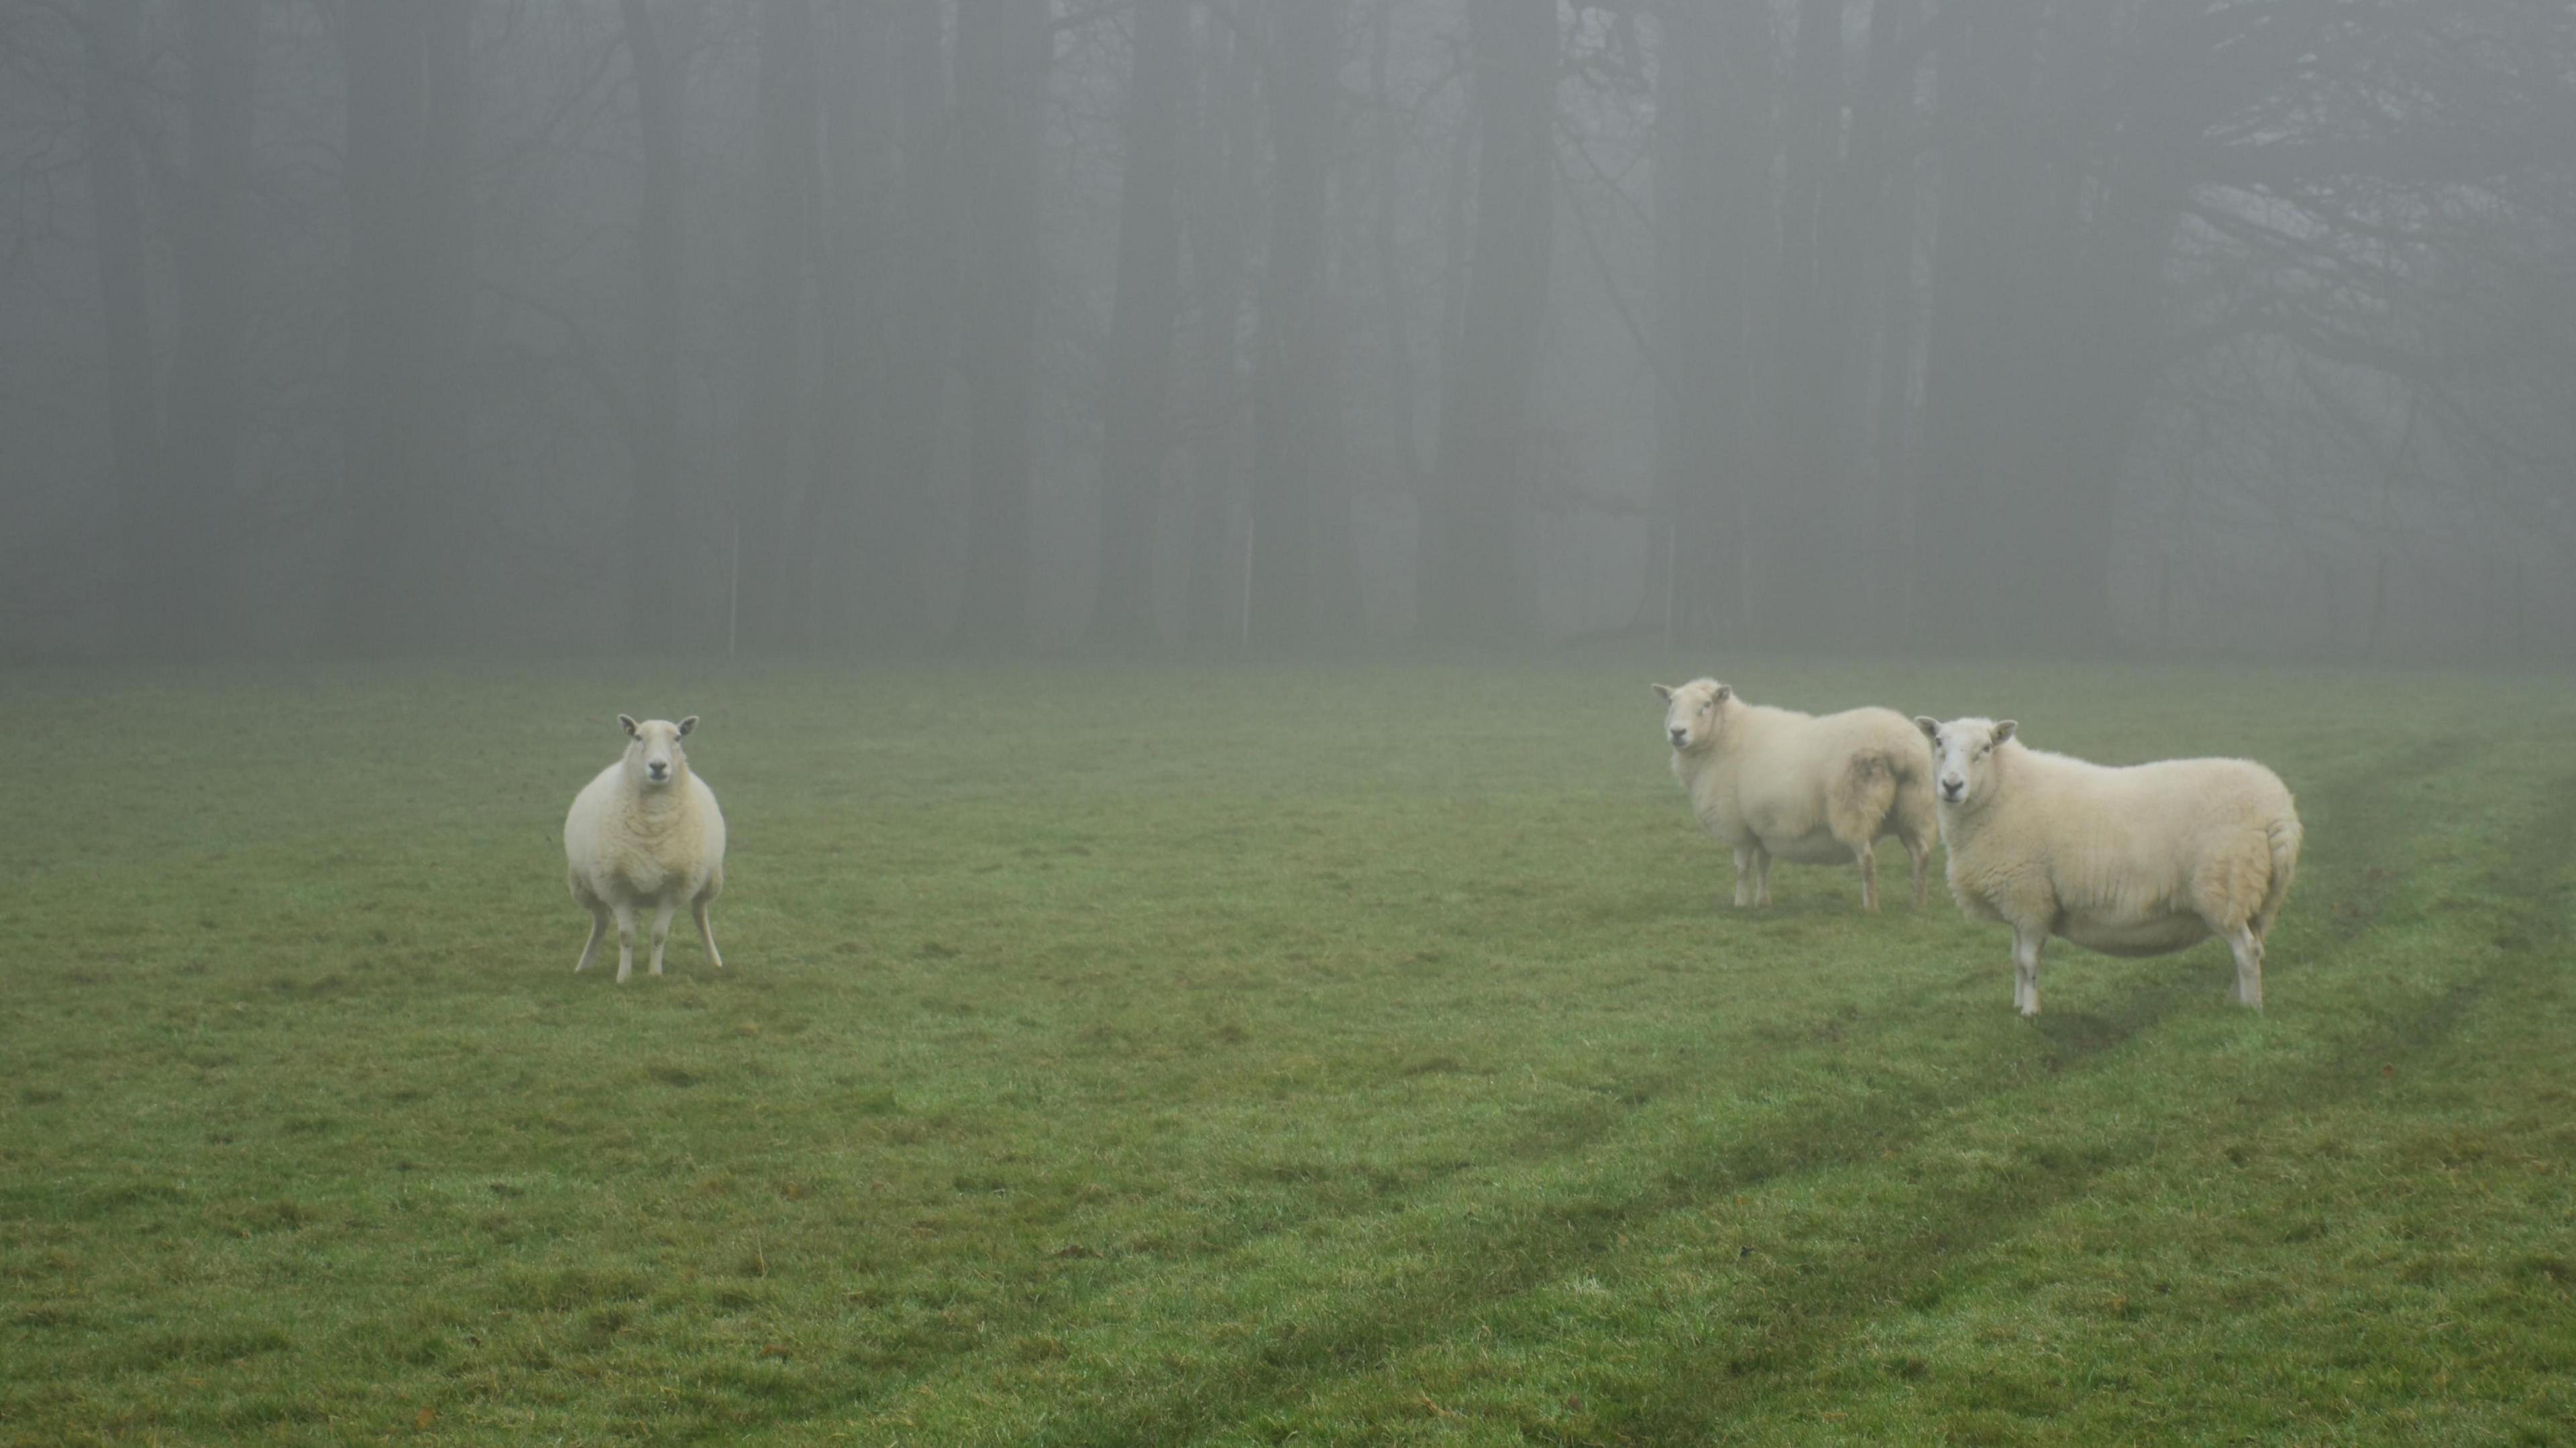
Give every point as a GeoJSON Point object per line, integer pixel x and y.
{"type": "Point", "coordinates": [1273, 1056]}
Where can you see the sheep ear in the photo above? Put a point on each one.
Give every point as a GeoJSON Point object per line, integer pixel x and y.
{"type": "Point", "coordinates": [2005, 730]}
{"type": "Point", "coordinates": [1930, 726]}
{"type": "Point", "coordinates": [1662, 691]}
{"type": "Point", "coordinates": [628, 720]}
{"type": "Point", "coordinates": [1724, 693]}
{"type": "Point", "coordinates": [688, 724]}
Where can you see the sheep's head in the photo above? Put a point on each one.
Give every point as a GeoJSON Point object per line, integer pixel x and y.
{"type": "Point", "coordinates": [1963, 755]}
{"type": "Point", "coordinates": [653, 754]}
{"type": "Point", "coordinates": [1694, 712]}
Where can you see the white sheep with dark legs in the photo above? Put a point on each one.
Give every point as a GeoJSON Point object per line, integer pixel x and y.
{"type": "Point", "coordinates": [2137, 860]}
{"type": "Point", "coordinates": [645, 835]}
{"type": "Point", "coordinates": [1775, 783]}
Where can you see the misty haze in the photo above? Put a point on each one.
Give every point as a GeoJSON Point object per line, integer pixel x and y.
{"type": "Point", "coordinates": [1113, 553]}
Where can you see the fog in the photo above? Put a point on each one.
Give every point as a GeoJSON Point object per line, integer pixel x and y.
{"type": "Point", "coordinates": [1215, 328]}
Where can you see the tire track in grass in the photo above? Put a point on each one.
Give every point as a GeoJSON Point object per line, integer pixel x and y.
{"type": "Point", "coordinates": [1762, 1354]}
{"type": "Point", "coordinates": [1700, 1395]}
{"type": "Point", "coordinates": [1275, 1367]}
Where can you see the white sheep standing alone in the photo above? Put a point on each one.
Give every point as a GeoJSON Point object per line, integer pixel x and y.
{"type": "Point", "coordinates": [2139, 860]}
{"type": "Point", "coordinates": [645, 834]}
{"type": "Point", "coordinates": [1817, 790]}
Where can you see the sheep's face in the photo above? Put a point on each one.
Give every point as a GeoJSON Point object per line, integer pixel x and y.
{"type": "Point", "coordinates": [1694, 713]}
{"type": "Point", "coordinates": [653, 754]}
{"type": "Point", "coordinates": [1963, 755]}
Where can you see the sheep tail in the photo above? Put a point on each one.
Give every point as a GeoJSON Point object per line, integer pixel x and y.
{"type": "Point", "coordinates": [1864, 799]}
{"type": "Point", "coordinates": [1910, 766]}
{"type": "Point", "coordinates": [1910, 796]}
{"type": "Point", "coordinates": [2284, 835]}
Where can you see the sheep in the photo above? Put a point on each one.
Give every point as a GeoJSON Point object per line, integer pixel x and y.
{"type": "Point", "coordinates": [1774, 782]}
{"type": "Point", "coordinates": [2141, 860]}
{"type": "Point", "coordinates": [645, 833]}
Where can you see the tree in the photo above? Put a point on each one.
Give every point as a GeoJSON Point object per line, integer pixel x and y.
{"type": "Point", "coordinates": [1471, 570]}
{"type": "Point", "coordinates": [1798, 582]}
{"type": "Point", "coordinates": [1713, 236]}
{"type": "Point", "coordinates": [1003, 49]}
{"type": "Point", "coordinates": [198, 508]}
{"type": "Point", "coordinates": [411, 520]}
{"type": "Point", "coordinates": [1300, 523]}
{"type": "Point", "coordinates": [769, 577]}
{"type": "Point", "coordinates": [1224, 173]}
{"type": "Point", "coordinates": [896, 525]}
{"type": "Point", "coordinates": [111, 73]}
{"type": "Point", "coordinates": [855, 275]}
{"type": "Point", "coordinates": [1135, 439]}
{"type": "Point", "coordinates": [660, 601]}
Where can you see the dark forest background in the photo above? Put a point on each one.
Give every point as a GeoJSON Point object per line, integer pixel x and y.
{"type": "Point", "coordinates": [1200, 327]}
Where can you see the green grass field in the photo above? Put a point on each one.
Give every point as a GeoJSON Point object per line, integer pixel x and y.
{"type": "Point", "coordinates": [1267, 1056]}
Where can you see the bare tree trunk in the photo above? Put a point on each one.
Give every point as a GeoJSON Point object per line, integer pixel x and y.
{"type": "Point", "coordinates": [1003, 52]}
{"type": "Point", "coordinates": [2048, 278]}
{"type": "Point", "coordinates": [772, 609]}
{"type": "Point", "coordinates": [1472, 587]}
{"type": "Point", "coordinates": [196, 513]}
{"type": "Point", "coordinates": [861, 126]}
{"type": "Point", "coordinates": [408, 171]}
{"type": "Point", "coordinates": [658, 524]}
{"type": "Point", "coordinates": [448, 511]}
{"type": "Point", "coordinates": [1799, 583]}
{"type": "Point", "coordinates": [1882, 165]}
{"type": "Point", "coordinates": [1225, 172]}
{"type": "Point", "coordinates": [1135, 440]}
{"type": "Point", "coordinates": [1971, 390]}
{"type": "Point", "coordinates": [382, 41]}
{"type": "Point", "coordinates": [1402, 391]}
{"type": "Point", "coordinates": [1292, 514]}
{"type": "Point", "coordinates": [1713, 236]}
{"type": "Point", "coordinates": [1892, 423]}
{"type": "Point", "coordinates": [897, 528]}
{"type": "Point", "coordinates": [133, 390]}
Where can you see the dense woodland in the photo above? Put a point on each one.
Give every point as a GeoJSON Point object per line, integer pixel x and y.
{"type": "Point", "coordinates": [1198, 328]}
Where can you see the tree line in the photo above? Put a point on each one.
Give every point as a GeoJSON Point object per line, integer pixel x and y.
{"type": "Point", "coordinates": [1168, 327]}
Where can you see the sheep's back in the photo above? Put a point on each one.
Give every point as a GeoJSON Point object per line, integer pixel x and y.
{"type": "Point", "coordinates": [1808, 752]}
{"type": "Point", "coordinates": [2132, 836]}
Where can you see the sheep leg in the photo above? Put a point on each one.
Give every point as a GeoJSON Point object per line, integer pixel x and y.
{"type": "Point", "coordinates": [1743, 877]}
{"type": "Point", "coordinates": [2026, 944]}
{"type": "Point", "coordinates": [625, 943]}
{"type": "Point", "coordinates": [706, 932]}
{"type": "Point", "coordinates": [598, 933]}
{"type": "Point", "coordinates": [1921, 855]}
{"type": "Point", "coordinates": [1761, 876]}
{"type": "Point", "coordinates": [2249, 967]}
{"type": "Point", "coordinates": [1868, 855]}
{"type": "Point", "coordinates": [662, 931]}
